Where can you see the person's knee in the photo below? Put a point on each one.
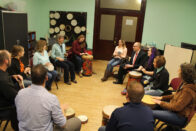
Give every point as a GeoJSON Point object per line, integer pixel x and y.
{"type": "Point", "coordinates": [102, 128]}
{"type": "Point", "coordinates": [49, 76]}
{"type": "Point", "coordinates": [73, 124]}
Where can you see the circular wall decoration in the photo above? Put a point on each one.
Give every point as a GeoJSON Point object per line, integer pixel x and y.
{"type": "Point", "coordinates": [53, 22]}
{"type": "Point", "coordinates": [62, 33]}
{"type": "Point", "coordinates": [69, 16]}
{"type": "Point", "coordinates": [51, 15]}
{"type": "Point", "coordinates": [62, 26]}
{"type": "Point", "coordinates": [51, 30]}
{"type": "Point", "coordinates": [66, 37]}
{"type": "Point", "coordinates": [67, 28]}
{"type": "Point", "coordinates": [57, 29]}
{"type": "Point", "coordinates": [77, 29]}
{"type": "Point", "coordinates": [74, 22]}
{"type": "Point", "coordinates": [56, 15]}
{"type": "Point", "coordinates": [83, 28]}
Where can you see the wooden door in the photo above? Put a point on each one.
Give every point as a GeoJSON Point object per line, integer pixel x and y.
{"type": "Point", "coordinates": [115, 20]}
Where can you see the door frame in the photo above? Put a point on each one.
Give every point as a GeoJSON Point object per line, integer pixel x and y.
{"type": "Point", "coordinates": [140, 14]}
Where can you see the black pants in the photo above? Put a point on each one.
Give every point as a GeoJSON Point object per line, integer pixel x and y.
{"type": "Point", "coordinates": [122, 72]}
{"type": "Point", "coordinates": [11, 115]}
{"type": "Point", "coordinates": [68, 67]}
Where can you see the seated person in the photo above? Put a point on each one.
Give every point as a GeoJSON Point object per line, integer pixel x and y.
{"type": "Point", "coordinates": [148, 66]}
{"type": "Point", "coordinates": [119, 53]}
{"type": "Point", "coordinates": [37, 109]}
{"type": "Point", "coordinates": [160, 78]}
{"type": "Point", "coordinates": [41, 57]}
{"type": "Point", "coordinates": [138, 58]}
{"type": "Point", "coordinates": [17, 67]}
{"type": "Point", "coordinates": [8, 90]}
{"type": "Point", "coordinates": [177, 107]}
{"type": "Point", "coordinates": [133, 116]}
{"type": "Point", "coordinates": [77, 51]}
{"type": "Point", "coordinates": [60, 56]}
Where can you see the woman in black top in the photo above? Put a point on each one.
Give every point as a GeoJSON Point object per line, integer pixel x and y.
{"type": "Point", "coordinates": [17, 66]}
{"type": "Point", "coordinates": [160, 78]}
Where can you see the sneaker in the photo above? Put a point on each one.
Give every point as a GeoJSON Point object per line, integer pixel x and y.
{"type": "Point", "coordinates": [74, 81]}
{"type": "Point", "coordinates": [124, 92]}
{"type": "Point", "coordinates": [68, 83]}
{"type": "Point", "coordinates": [117, 82]}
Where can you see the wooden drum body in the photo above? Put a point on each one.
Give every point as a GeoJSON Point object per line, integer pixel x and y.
{"type": "Point", "coordinates": [87, 65]}
{"type": "Point", "coordinates": [134, 76]}
{"type": "Point", "coordinates": [107, 111]}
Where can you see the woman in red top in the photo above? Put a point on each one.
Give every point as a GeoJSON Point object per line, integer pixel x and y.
{"type": "Point", "coordinates": [77, 52]}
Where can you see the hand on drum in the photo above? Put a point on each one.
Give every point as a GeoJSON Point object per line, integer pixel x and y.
{"type": "Point", "coordinates": [27, 70]}
{"type": "Point", "coordinates": [66, 54]}
{"type": "Point", "coordinates": [156, 99]}
{"type": "Point", "coordinates": [83, 53]}
{"type": "Point", "coordinates": [64, 107]}
{"type": "Point", "coordinates": [128, 66]}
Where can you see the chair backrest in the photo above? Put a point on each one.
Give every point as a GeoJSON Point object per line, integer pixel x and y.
{"type": "Point", "coordinates": [175, 83]}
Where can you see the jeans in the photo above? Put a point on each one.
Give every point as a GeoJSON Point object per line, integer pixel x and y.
{"type": "Point", "coordinates": [27, 82]}
{"type": "Point", "coordinates": [149, 91]}
{"type": "Point", "coordinates": [113, 62]}
{"type": "Point", "coordinates": [169, 117]}
{"type": "Point", "coordinates": [51, 77]}
{"type": "Point", "coordinates": [68, 67]}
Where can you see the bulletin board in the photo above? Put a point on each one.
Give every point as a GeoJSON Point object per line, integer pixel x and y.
{"type": "Point", "coordinates": [175, 56]}
{"type": "Point", "coordinates": [68, 24]}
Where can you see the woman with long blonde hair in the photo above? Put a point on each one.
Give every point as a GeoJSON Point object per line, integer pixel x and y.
{"type": "Point", "coordinates": [120, 52]}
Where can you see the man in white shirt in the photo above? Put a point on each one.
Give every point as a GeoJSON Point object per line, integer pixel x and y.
{"type": "Point", "coordinates": [37, 109]}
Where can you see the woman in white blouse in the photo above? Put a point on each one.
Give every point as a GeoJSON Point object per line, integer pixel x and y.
{"type": "Point", "coordinates": [119, 53]}
{"type": "Point", "coordinates": [41, 57]}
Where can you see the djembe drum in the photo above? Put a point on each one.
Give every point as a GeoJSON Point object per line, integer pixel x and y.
{"type": "Point", "coordinates": [147, 100]}
{"type": "Point", "coordinates": [107, 111]}
{"type": "Point", "coordinates": [87, 65]}
{"type": "Point", "coordinates": [69, 113]}
{"type": "Point", "coordinates": [134, 76]}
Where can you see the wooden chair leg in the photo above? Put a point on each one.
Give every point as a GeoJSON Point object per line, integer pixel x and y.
{"type": "Point", "coordinates": [5, 125]}
{"type": "Point", "coordinates": [56, 85]}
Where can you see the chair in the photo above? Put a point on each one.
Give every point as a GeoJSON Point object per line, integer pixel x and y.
{"type": "Point", "coordinates": [5, 118]}
{"type": "Point", "coordinates": [175, 83]}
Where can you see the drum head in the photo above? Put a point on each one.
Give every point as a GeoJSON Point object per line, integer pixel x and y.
{"type": "Point", "coordinates": [69, 113]}
{"type": "Point", "coordinates": [83, 119]}
{"type": "Point", "coordinates": [107, 110]}
{"type": "Point", "coordinates": [135, 74]}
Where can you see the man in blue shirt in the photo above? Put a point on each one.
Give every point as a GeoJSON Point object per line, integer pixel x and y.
{"type": "Point", "coordinates": [37, 109]}
{"type": "Point", "coordinates": [133, 116]}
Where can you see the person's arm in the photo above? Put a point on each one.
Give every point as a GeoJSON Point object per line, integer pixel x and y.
{"type": "Point", "coordinates": [57, 114]}
{"type": "Point", "coordinates": [167, 97]}
{"type": "Point", "coordinates": [53, 52]}
{"type": "Point", "coordinates": [112, 124]}
{"type": "Point", "coordinates": [8, 91]}
{"type": "Point", "coordinates": [115, 51]}
{"type": "Point", "coordinates": [124, 54]}
{"type": "Point", "coordinates": [74, 46]}
{"type": "Point", "coordinates": [147, 72]}
{"type": "Point", "coordinates": [184, 99]}
{"type": "Point", "coordinates": [35, 59]}
{"type": "Point", "coordinates": [14, 68]}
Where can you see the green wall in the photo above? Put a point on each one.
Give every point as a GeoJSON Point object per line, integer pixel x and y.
{"type": "Point", "coordinates": [166, 21]}
{"type": "Point", "coordinates": [170, 21]}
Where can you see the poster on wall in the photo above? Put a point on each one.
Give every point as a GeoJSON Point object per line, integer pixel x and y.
{"type": "Point", "coordinates": [68, 24]}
